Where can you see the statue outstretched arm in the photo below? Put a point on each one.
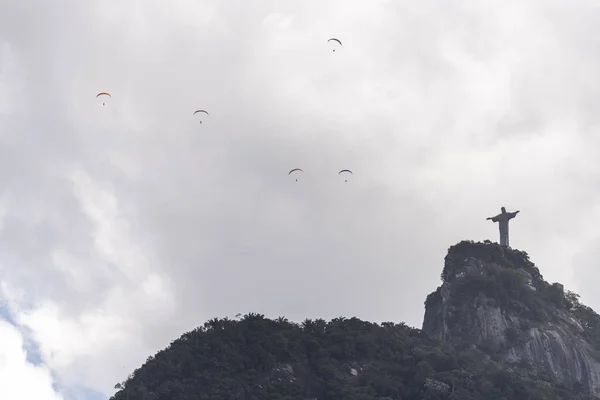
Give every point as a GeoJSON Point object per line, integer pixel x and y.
{"type": "Point", "coordinates": [512, 214]}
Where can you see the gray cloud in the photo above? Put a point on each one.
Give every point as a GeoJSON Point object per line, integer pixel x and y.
{"type": "Point", "coordinates": [123, 226]}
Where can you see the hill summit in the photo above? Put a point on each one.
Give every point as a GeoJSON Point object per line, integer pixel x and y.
{"type": "Point", "coordinates": [494, 330]}
{"type": "Point", "coordinates": [495, 299]}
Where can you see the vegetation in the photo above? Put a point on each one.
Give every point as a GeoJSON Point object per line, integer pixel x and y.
{"type": "Point", "coordinates": [588, 318]}
{"type": "Point", "coordinates": [488, 252]}
{"type": "Point", "coordinates": [505, 286]}
{"type": "Point", "coordinates": [349, 359]}
{"type": "Point", "coordinates": [343, 359]}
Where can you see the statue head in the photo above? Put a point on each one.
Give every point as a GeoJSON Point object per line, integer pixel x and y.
{"type": "Point", "coordinates": [503, 210]}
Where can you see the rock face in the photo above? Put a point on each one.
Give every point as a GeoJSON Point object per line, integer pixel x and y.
{"type": "Point", "coordinates": [494, 298]}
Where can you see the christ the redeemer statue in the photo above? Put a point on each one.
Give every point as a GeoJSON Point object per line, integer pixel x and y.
{"type": "Point", "coordinates": [503, 219]}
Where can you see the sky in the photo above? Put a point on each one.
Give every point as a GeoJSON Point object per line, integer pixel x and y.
{"type": "Point", "coordinates": [124, 226]}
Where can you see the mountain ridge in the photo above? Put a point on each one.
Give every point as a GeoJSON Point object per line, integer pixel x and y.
{"type": "Point", "coordinates": [493, 330]}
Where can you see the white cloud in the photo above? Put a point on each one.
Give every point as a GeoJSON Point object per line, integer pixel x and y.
{"type": "Point", "coordinates": [19, 379]}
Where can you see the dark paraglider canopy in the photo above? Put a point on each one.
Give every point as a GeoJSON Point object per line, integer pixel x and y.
{"type": "Point", "coordinates": [334, 40]}
{"type": "Point", "coordinates": [295, 170]}
{"type": "Point", "coordinates": [345, 171]}
{"type": "Point", "coordinates": [201, 111]}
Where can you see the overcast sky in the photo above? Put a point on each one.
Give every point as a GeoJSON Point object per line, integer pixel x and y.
{"type": "Point", "coordinates": [124, 226]}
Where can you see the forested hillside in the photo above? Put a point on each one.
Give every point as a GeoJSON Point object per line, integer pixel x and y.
{"type": "Point", "coordinates": [343, 359]}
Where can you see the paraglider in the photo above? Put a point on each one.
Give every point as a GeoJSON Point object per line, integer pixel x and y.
{"type": "Point", "coordinates": [201, 111]}
{"type": "Point", "coordinates": [294, 170]}
{"type": "Point", "coordinates": [346, 170]}
{"type": "Point", "coordinates": [104, 99]}
{"type": "Point", "coordinates": [335, 40]}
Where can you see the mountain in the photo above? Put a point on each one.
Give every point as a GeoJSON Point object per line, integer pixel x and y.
{"type": "Point", "coordinates": [494, 330]}
{"type": "Point", "coordinates": [495, 298]}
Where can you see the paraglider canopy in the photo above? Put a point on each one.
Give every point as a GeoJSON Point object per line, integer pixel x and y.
{"type": "Point", "coordinates": [202, 112]}
{"type": "Point", "coordinates": [295, 170]}
{"type": "Point", "coordinates": [104, 96]}
{"type": "Point", "coordinates": [335, 41]}
{"type": "Point", "coordinates": [346, 171]}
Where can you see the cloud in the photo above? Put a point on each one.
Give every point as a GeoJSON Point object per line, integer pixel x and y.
{"type": "Point", "coordinates": [124, 226]}
{"type": "Point", "coordinates": [21, 379]}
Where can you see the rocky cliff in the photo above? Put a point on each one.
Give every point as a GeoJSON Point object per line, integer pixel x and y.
{"type": "Point", "coordinates": [496, 300]}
